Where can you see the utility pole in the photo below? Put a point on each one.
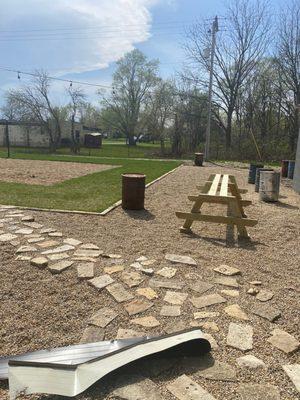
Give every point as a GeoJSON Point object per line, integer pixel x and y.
{"type": "Point", "coordinates": [214, 30]}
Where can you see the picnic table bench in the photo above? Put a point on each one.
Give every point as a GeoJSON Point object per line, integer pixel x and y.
{"type": "Point", "coordinates": [219, 189]}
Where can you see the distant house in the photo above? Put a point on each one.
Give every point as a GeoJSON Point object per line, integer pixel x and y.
{"type": "Point", "coordinates": [34, 136]}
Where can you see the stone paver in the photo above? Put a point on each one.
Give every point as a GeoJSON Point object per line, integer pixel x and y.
{"type": "Point", "coordinates": [55, 234]}
{"type": "Point", "coordinates": [147, 322]}
{"type": "Point", "coordinates": [212, 340]}
{"type": "Point", "coordinates": [141, 258]}
{"type": "Point", "coordinates": [24, 231]}
{"type": "Point", "coordinates": [166, 284]}
{"type": "Point", "coordinates": [27, 218]}
{"type": "Point", "coordinates": [113, 256]}
{"type": "Point", "coordinates": [101, 282]}
{"type": "Point", "coordinates": [206, 301]}
{"type": "Point", "coordinates": [147, 292]}
{"type": "Point", "coordinates": [176, 298]}
{"type": "Point", "coordinates": [103, 317]}
{"type": "Point", "coordinates": [138, 266]}
{"type": "Point", "coordinates": [227, 270]}
{"type": "Point", "coordinates": [57, 257]}
{"type": "Point", "coordinates": [33, 225]}
{"type": "Point", "coordinates": [201, 286]}
{"type": "Point", "coordinates": [207, 325]}
{"type": "Point", "coordinates": [293, 372]}
{"type": "Point", "coordinates": [235, 311]}
{"type": "Point", "coordinates": [184, 388]}
{"type": "Point", "coordinates": [147, 263]}
{"type": "Point", "coordinates": [264, 295]}
{"type": "Point", "coordinates": [213, 369]}
{"type": "Point", "coordinates": [137, 388]}
{"type": "Point", "coordinates": [129, 333]}
{"type": "Point", "coordinates": [138, 306]}
{"type": "Point", "coordinates": [72, 242]}
{"type": "Point", "coordinates": [258, 392]}
{"type": "Point", "coordinates": [119, 293]}
{"type": "Point", "coordinates": [170, 311]}
{"type": "Point", "coordinates": [175, 258]}
{"type": "Point", "coordinates": [48, 243]}
{"type": "Point", "coordinates": [26, 249]}
{"type": "Point", "coordinates": [92, 334]}
{"type": "Point", "coordinates": [167, 272]}
{"type": "Point", "coordinates": [23, 258]}
{"type": "Point", "coordinates": [35, 240]}
{"type": "Point", "coordinates": [85, 270]}
{"type": "Point", "coordinates": [265, 311]}
{"type": "Point", "coordinates": [7, 237]}
{"type": "Point", "coordinates": [250, 361]}
{"type": "Point", "coordinates": [113, 269]}
{"type": "Point", "coordinates": [87, 253]}
{"type": "Point", "coordinates": [131, 278]}
{"type": "Point", "coordinates": [60, 266]}
{"type": "Point", "coordinates": [283, 341]}
{"type": "Point", "coordinates": [40, 262]}
{"type": "Point", "coordinates": [227, 281]}
{"type": "Point", "coordinates": [205, 314]}
{"type": "Point", "coordinates": [47, 230]}
{"type": "Point", "coordinates": [230, 293]}
{"type": "Point", "coordinates": [240, 336]}
{"type": "Point", "coordinates": [59, 249]}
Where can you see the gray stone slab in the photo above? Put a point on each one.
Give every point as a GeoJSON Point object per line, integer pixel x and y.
{"type": "Point", "coordinates": [227, 281]}
{"type": "Point", "coordinates": [147, 292]}
{"type": "Point", "coordinates": [132, 278]}
{"type": "Point", "coordinates": [147, 322]}
{"type": "Point", "coordinates": [265, 311]}
{"type": "Point", "coordinates": [137, 388]}
{"type": "Point", "coordinates": [101, 282]}
{"type": "Point", "coordinates": [175, 298]}
{"type": "Point", "coordinates": [48, 243]}
{"type": "Point", "coordinates": [33, 225]}
{"type": "Point", "coordinates": [293, 372]}
{"type": "Point", "coordinates": [167, 272]}
{"type": "Point", "coordinates": [119, 293]}
{"type": "Point", "coordinates": [235, 311]}
{"type": "Point", "coordinates": [92, 334]}
{"type": "Point", "coordinates": [24, 231]}
{"type": "Point", "coordinates": [200, 286]}
{"type": "Point", "coordinates": [264, 295]}
{"type": "Point", "coordinates": [138, 306]}
{"type": "Point", "coordinates": [27, 218]}
{"type": "Point", "coordinates": [72, 242]}
{"type": "Point", "coordinates": [129, 333]}
{"type": "Point", "coordinates": [175, 258]}
{"type": "Point", "coordinates": [59, 249]}
{"type": "Point", "coordinates": [40, 262]}
{"type": "Point", "coordinates": [209, 368]}
{"type": "Point", "coordinates": [283, 341]}
{"type": "Point", "coordinates": [240, 336]}
{"type": "Point", "coordinates": [57, 257]}
{"type": "Point", "coordinates": [258, 392]}
{"type": "Point", "coordinates": [85, 270]}
{"type": "Point", "coordinates": [26, 249]}
{"type": "Point", "coordinates": [251, 362]}
{"type": "Point", "coordinates": [103, 317]}
{"type": "Point", "coordinates": [89, 246]}
{"type": "Point", "coordinates": [166, 284]}
{"type": "Point", "coordinates": [184, 388]}
{"type": "Point", "coordinates": [60, 266]}
{"type": "Point", "coordinates": [87, 253]}
{"type": "Point", "coordinates": [7, 237]}
{"type": "Point", "coordinates": [170, 311]}
{"type": "Point", "coordinates": [227, 270]}
{"type": "Point", "coordinates": [206, 301]}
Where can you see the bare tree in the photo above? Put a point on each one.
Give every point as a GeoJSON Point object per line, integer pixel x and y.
{"type": "Point", "coordinates": [32, 102]}
{"type": "Point", "coordinates": [77, 101]}
{"type": "Point", "coordinates": [288, 57]}
{"type": "Point", "coordinates": [239, 48]}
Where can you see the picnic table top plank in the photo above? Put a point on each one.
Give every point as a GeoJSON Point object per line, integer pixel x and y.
{"type": "Point", "coordinates": [214, 187]}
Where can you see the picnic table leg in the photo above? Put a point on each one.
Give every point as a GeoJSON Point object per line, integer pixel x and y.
{"type": "Point", "coordinates": [239, 211]}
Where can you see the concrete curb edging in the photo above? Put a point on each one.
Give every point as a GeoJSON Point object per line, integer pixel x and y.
{"type": "Point", "coordinates": [102, 213]}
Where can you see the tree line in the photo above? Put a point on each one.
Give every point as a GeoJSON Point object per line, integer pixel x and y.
{"type": "Point", "coordinates": [255, 93]}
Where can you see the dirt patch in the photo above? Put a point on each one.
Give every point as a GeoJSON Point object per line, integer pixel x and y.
{"type": "Point", "coordinates": [36, 172]}
{"type": "Point", "coordinates": [40, 310]}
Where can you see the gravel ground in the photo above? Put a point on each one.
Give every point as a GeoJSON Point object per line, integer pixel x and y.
{"type": "Point", "coordinates": [35, 172]}
{"type": "Point", "coordinates": [48, 311]}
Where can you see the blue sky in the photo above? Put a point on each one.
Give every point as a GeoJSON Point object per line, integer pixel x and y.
{"type": "Point", "coordinates": [82, 39]}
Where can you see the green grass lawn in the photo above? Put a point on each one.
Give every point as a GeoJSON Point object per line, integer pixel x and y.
{"type": "Point", "coordinates": [110, 148]}
{"type": "Point", "coordinates": [94, 192]}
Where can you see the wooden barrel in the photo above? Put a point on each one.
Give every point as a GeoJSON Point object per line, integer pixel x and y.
{"type": "Point", "coordinates": [269, 186]}
{"type": "Point", "coordinates": [252, 172]}
{"type": "Point", "coordinates": [291, 169]}
{"type": "Point", "coordinates": [257, 177]}
{"type": "Point", "coordinates": [284, 168]}
{"type": "Point", "coordinates": [199, 159]}
{"type": "Point", "coordinates": [133, 191]}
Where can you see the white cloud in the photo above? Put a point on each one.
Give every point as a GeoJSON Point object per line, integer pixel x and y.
{"type": "Point", "coordinates": [86, 34]}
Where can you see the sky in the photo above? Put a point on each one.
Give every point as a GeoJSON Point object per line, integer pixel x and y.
{"type": "Point", "coordinates": [82, 39]}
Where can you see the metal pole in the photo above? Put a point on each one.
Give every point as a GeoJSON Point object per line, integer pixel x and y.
{"type": "Point", "coordinates": [212, 56]}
